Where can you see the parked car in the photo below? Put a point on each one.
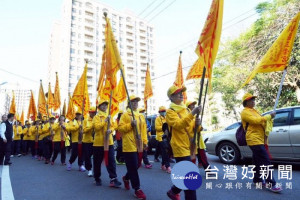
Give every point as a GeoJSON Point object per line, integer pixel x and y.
{"type": "Point", "coordinates": [284, 140]}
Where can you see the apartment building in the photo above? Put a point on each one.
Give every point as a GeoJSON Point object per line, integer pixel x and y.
{"type": "Point", "coordinates": [79, 35]}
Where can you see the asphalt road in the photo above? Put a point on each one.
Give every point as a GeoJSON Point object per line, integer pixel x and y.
{"type": "Point", "coordinates": [33, 180]}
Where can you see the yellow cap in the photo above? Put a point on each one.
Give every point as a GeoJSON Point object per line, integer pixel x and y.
{"type": "Point", "coordinates": [92, 109]}
{"type": "Point", "coordinates": [102, 102]}
{"type": "Point", "coordinates": [188, 103]}
{"type": "Point", "coordinates": [162, 109]}
{"type": "Point", "coordinates": [174, 90]}
{"type": "Point", "coordinates": [248, 96]}
{"type": "Point", "coordinates": [133, 97]}
{"type": "Point", "coordinates": [142, 110]}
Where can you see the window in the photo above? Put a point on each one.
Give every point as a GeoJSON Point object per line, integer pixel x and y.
{"type": "Point", "coordinates": [73, 17]}
{"type": "Point", "coordinates": [233, 126]}
{"type": "Point", "coordinates": [73, 10]}
{"type": "Point", "coordinates": [72, 50]}
{"type": "Point", "coordinates": [281, 119]}
{"type": "Point", "coordinates": [73, 34]}
{"type": "Point", "coordinates": [296, 117]}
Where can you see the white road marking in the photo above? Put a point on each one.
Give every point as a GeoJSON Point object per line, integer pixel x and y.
{"type": "Point", "coordinates": [6, 189]}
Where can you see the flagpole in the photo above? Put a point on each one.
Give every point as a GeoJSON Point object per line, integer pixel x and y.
{"type": "Point", "coordinates": [202, 111]}
{"type": "Point", "coordinates": [280, 88]}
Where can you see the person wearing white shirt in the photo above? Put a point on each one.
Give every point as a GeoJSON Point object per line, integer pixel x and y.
{"type": "Point", "coordinates": [6, 134]}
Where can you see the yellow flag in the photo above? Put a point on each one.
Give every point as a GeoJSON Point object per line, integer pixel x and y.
{"type": "Point", "coordinates": [208, 43]}
{"type": "Point", "coordinates": [113, 59]}
{"type": "Point", "coordinates": [278, 55]}
{"type": "Point", "coordinates": [148, 86]}
{"type": "Point", "coordinates": [196, 70]}
{"type": "Point", "coordinates": [42, 108]}
{"type": "Point", "coordinates": [64, 110]}
{"type": "Point", "coordinates": [56, 94]}
{"type": "Point", "coordinates": [22, 118]}
{"type": "Point", "coordinates": [81, 95]}
{"type": "Point", "coordinates": [179, 78]}
{"type": "Point", "coordinates": [71, 110]}
{"type": "Point", "coordinates": [114, 109]}
{"type": "Point", "coordinates": [50, 99]}
{"type": "Point", "coordinates": [12, 108]}
{"type": "Point", "coordinates": [121, 90]}
{"type": "Point", "coordinates": [32, 112]}
{"type": "Point", "coordinates": [101, 75]}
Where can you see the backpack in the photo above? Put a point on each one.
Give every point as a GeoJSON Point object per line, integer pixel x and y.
{"type": "Point", "coordinates": [241, 135]}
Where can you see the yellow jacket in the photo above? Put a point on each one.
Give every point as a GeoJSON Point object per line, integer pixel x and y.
{"type": "Point", "coordinates": [100, 127]}
{"type": "Point", "coordinates": [31, 133]}
{"type": "Point", "coordinates": [25, 133]}
{"type": "Point", "coordinates": [57, 133]}
{"type": "Point", "coordinates": [159, 121]}
{"type": "Point", "coordinates": [45, 131]}
{"type": "Point", "coordinates": [182, 131]}
{"type": "Point", "coordinates": [128, 134]}
{"type": "Point", "coordinates": [88, 130]}
{"type": "Point", "coordinates": [255, 134]}
{"type": "Point", "coordinates": [74, 129]}
{"type": "Point", "coordinates": [17, 135]}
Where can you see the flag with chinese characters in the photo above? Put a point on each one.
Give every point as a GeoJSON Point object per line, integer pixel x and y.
{"type": "Point", "coordinates": [101, 79]}
{"type": "Point", "coordinates": [50, 98]}
{"type": "Point", "coordinates": [32, 111]}
{"type": "Point", "coordinates": [179, 81]}
{"type": "Point", "coordinates": [71, 110]}
{"type": "Point", "coordinates": [196, 70]}
{"type": "Point", "coordinates": [42, 108]}
{"type": "Point", "coordinates": [80, 96]}
{"type": "Point", "coordinates": [12, 108]}
{"type": "Point", "coordinates": [278, 55]}
{"type": "Point", "coordinates": [22, 118]}
{"type": "Point", "coordinates": [148, 92]}
{"type": "Point", "coordinates": [57, 102]}
{"type": "Point", "coordinates": [208, 43]}
{"type": "Point", "coordinates": [64, 110]}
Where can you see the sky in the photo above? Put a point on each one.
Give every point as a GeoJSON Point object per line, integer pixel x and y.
{"type": "Point", "coordinates": [26, 27]}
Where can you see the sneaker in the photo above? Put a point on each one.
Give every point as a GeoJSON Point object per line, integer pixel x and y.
{"type": "Point", "coordinates": [90, 173]}
{"type": "Point", "coordinates": [47, 162]}
{"type": "Point", "coordinates": [82, 168]}
{"type": "Point", "coordinates": [140, 194]}
{"type": "Point", "coordinates": [11, 156]}
{"type": "Point", "coordinates": [163, 167]}
{"type": "Point", "coordinates": [173, 196]}
{"type": "Point", "coordinates": [98, 182]}
{"type": "Point", "coordinates": [168, 170]}
{"type": "Point", "coordinates": [275, 189]}
{"type": "Point", "coordinates": [69, 166]}
{"type": "Point", "coordinates": [149, 166]}
{"type": "Point", "coordinates": [156, 160]}
{"type": "Point", "coordinates": [19, 155]}
{"type": "Point", "coordinates": [126, 183]}
{"type": "Point", "coordinates": [115, 183]}
{"type": "Point", "coordinates": [52, 163]}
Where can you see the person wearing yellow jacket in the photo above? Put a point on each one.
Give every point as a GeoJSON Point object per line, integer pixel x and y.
{"type": "Point", "coordinates": [162, 140]}
{"type": "Point", "coordinates": [87, 141]}
{"type": "Point", "coordinates": [100, 122]}
{"type": "Point", "coordinates": [254, 125]}
{"type": "Point", "coordinates": [25, 132]}
{"type": "Point", "coordinates": [201, 155]}
{"type": "Point", "coordinates": [32, 138]}
{"type": "Point", "coordinates": [59, 130]}
{"type": "Point", "coordinates": [40, 149]}
{"type": "Point", "coordinates": [74, 128]}
{"type": "Point", "coordinates": [182, 123]}
{"type": "Point", "coordinates": [47, 133]}
{"type": "Point", "coordinates": [16, 145]}
{"type": "Point", "coordinates": [126, 128]}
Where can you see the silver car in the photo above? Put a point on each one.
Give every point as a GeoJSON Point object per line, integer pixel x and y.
{"type": "Point", "coordinates": [284, 140]}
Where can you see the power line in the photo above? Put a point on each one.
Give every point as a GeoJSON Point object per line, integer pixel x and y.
{"type": "Point", "coordinates": [155, 8]}
{"type": "Point", "coordinates": [26, 78]}
{"type": "Point", "coordinates": [147, 7]}
{"type": "Point", "coordinates": [162, 11]}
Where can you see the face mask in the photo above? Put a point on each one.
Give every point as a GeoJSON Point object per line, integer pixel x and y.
{"type": "Point", "coordinates": [163, 113]}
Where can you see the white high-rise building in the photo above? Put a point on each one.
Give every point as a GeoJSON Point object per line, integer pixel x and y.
{"type": "Point", "coordinates": [79, 35]}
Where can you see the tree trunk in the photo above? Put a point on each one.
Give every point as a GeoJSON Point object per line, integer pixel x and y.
{"type": "Point", "coordinates": [298, 93]}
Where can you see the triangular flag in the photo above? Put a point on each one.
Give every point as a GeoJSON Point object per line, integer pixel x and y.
{"type": "Point", "coordinates": [71, 110]}
{"type": "Point", "coordinates": [179, 78]}
{"type": "Point", "coordinates": [12, 108]}
{"type": "Point", "coordinates": [56, 94]}
{"type": "Point", "coordinates": [32, 111]}
{"type": "Point", "coordinates": [148, 86]}
{"type": "Point", "coordinates": [50, 99]}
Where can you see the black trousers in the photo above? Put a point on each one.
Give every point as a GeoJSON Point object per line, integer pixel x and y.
{"type": "Point", "coordinates": [98, 155]}
{"type": "Point", "coordinates": [47, 148]}
{"type": "Point", "coordinates": [157, 151]}
{"type": "Point", "coordinates": [31, 144]}
{"type": "Point", "coordinates": [145, 158]}
{"type": "Point", "coordinates": [40, 152]}
{"type": "Point", "coordinates": [119, 156]}
{"type": "Point", "coordinates": [165, 159]}
{"type": "Point", "coordinates": [5, 151]}
{"type": "Point", "coordinates": [74, 154]}
{"type": "Point", "coordinates": [16, 147]}
{"type": "Point", "coordinates": [25, 146]}
{"type": "Point", "coordinates": [189, 194]}
{"type": "Point", "coordinates": [59, 147]}
{"type": "Point", "coordinates": [131, 160]}
{"type": "Point", "coordinates": [260, 157]}
{"type": "Point", "coordinates": [87, 149]}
